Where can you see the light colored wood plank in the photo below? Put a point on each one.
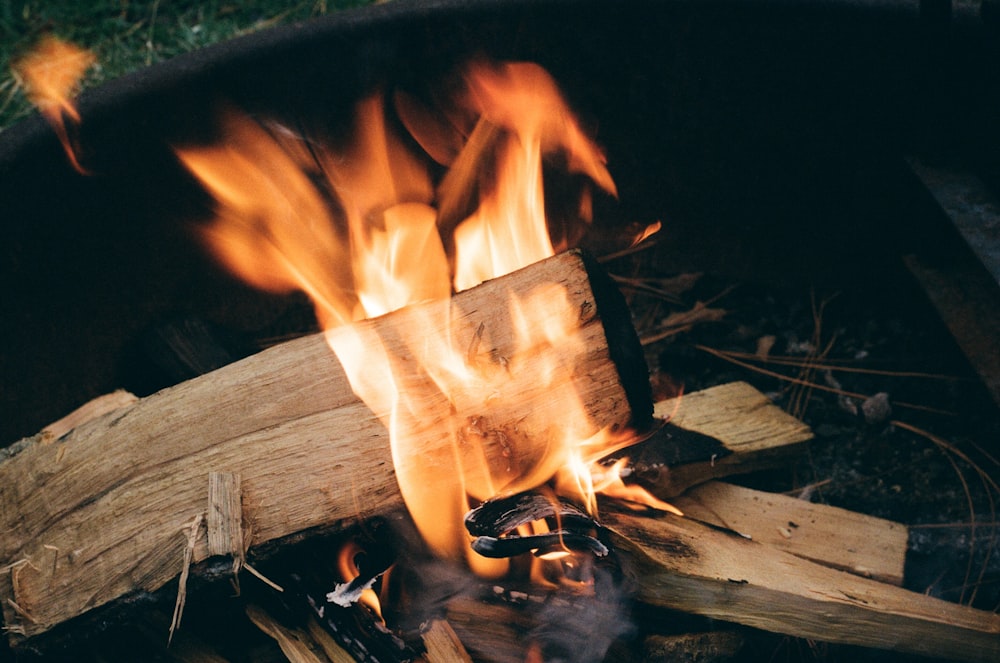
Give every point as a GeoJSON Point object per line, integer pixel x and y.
{"type": "Point", "coordinates": [853, 542]}
{"type": "Point", "coordinates": [684, 565]}
{"type": "Point", "coordinates": [90, 410]}
{"type": "Point", "coordinates": [295, 644]}
{"type": "Point", "coordinates": [758, 434]}
{"type": "Point", "coordinates": [442, 643]}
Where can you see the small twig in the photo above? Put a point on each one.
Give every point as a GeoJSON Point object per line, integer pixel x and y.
{"type": "Point", "coordinates": [642, 285]}
{"type": "Point", "coordinates": [192, 538]}
{"type": "Point", "coordinates": [726, 356]}
{"type": "Point", "coordinates": [264, 579]}
{"type": "Point", "coordinates": [832, 365]}
{"type": "Point", "coordinates": [965, 525]}
{"type": "Point", "coordinates": [21, 611]}
{"type": "Point", "coordinates": [949, 450]}
{"type": "Point", "coordinates": [635, 248]}
{"type": "Point", "coordinates": [150, 48]}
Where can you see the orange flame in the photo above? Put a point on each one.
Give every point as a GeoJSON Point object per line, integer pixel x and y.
{"type": "Point", "coordinates": [348, 568]}
{"type": "Point", "coordinates": [379, 248]}
{"type": "Point", "coordinates": [51, 73]}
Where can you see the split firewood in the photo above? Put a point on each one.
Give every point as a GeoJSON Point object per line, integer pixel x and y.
{"type": "Point", "coordinates": [491, 632]}
{"type": "Point", "coordinates": [842, 539]}
{"type": "Point", "coordinates": [443, 644]}
{"type": "Point", "coordinates": [295, 644]}
{"type": "Point", "coordinates": [105, 510]}
{"type": "Point", "coordinates": [735, 430]}
{"type": "Point", "coordinates": [684, 565]}
{"type": "Point", "coordinates": [333, 651]}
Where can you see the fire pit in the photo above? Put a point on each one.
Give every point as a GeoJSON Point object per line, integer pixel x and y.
{"type": "Point", "coordinates": [764, 138]}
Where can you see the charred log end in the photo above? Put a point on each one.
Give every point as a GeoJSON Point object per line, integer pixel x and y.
{"type": "Point", "coordinates": [624, 347]}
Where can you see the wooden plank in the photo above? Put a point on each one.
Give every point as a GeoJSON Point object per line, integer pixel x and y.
{"type": "Point", "coordinates": [442, 643]}
{"type": "Point", "coordinates": [842, 539]}
{"type": "Point", "coordinates": [752, 433]}
{"type": "Point", "coordinates": [224, 517]}
{"type": "Point", "coordinates": [295, 643]}
{"type": "Point", "coordinates": [104, 511]}
{"type": "Point", "coordinates": [685, 565]}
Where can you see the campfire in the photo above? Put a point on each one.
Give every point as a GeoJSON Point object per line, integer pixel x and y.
{"type": "Point", "coordinates": [468, 461]}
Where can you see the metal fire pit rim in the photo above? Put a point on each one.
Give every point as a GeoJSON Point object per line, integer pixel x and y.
{"type": "Point", "coordinates": [366, 22]}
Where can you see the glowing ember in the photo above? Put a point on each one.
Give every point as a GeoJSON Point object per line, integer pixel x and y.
{"type": "Point", "coordinates": [390, 241]}
{"type": "Point", "coordinates": [50, 74]}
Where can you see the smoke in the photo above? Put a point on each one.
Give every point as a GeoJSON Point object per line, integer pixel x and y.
{"type": "Point", "coordinates": [581, 629]}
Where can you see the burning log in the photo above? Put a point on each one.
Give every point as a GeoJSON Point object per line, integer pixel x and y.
{"type": "Point", "coordinates": [685, 565]}
{"type": "Point", "coordinates": [105, 511]}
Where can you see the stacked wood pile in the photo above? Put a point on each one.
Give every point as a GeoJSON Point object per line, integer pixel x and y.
{"type": "Point", "coordinates": [262, 454]}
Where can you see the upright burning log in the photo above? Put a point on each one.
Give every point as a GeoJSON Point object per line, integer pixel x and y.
{"type": "Point", "coordinates": [116, 506]}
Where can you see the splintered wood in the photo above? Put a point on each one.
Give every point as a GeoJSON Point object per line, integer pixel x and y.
{"type": "Point", "coordinates": [103, 511]}
{"type": "Point", "coordinates": [225, 516]}
{"type": "Point", "coordinates": [853, 542]}
{"type": "Point", "coordinates": [684, 565]}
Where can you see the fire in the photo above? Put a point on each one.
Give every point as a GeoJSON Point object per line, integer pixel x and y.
{"type": "Point", "coordinates": [50, 74]}
{"type": "Point", "coordinates": [347, 566]}
{"type": "Point", "coordinates": [393, 238]}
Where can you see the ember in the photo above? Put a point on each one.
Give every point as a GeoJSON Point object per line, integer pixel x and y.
{"type": "Point", "coordinates": [50, 74]}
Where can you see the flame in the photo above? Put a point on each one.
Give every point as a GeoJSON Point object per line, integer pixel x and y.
{"type": "Point", "coordinates": [347, 566]}
{"type": "Point", "coordinates": [509, 229]}
{"type": "Point", "coordinates": [51, 73]}
{"type": "Point", "coordinates": [365, 231]}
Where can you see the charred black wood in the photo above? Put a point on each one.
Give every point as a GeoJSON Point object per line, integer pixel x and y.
{"type": "Point", "coordinates": [309, 574]}
{"type": "Point", "coordinates": [668, 446]}
{"type": "Point", "coordinates": [538, 544]}
{"type": "Point", "coordinates": [494, 524]}
{"type": "Point", "coordinates": [362, 633]}
{"type": "Point", "coordinates": [498, 516]}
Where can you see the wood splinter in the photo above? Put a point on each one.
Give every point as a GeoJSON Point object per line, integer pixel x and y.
{"type": "Point", "coordinates": [225, 517]}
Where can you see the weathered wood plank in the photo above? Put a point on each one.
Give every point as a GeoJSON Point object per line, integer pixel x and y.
{"type": "Point", "coordinates": [684, 565]}
{"type": "Point", "coordinates": [753, 434]}
{"type": "Point", "coordinates": [842, 539]}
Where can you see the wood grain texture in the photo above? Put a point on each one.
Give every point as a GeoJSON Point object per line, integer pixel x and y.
{"type": "Point", "coordinates": [103, 511]}
{"type": "Point", "coordinates": [758, 434]}
{"type": "Point", "coordinates": [842, 539]}
{"type": "Point", "coordinates": [684, 565]}
{"type": "Point", "coordinates": [224, 518]}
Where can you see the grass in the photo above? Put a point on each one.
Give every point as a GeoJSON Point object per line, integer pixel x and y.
{"type": "Point", "coordinates": [130, 34]}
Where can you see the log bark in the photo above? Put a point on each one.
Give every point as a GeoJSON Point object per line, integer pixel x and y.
{"type": "Point", "coordinates": [685, 565]}
{"type": "Point", "coordinates": [104, 511]}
